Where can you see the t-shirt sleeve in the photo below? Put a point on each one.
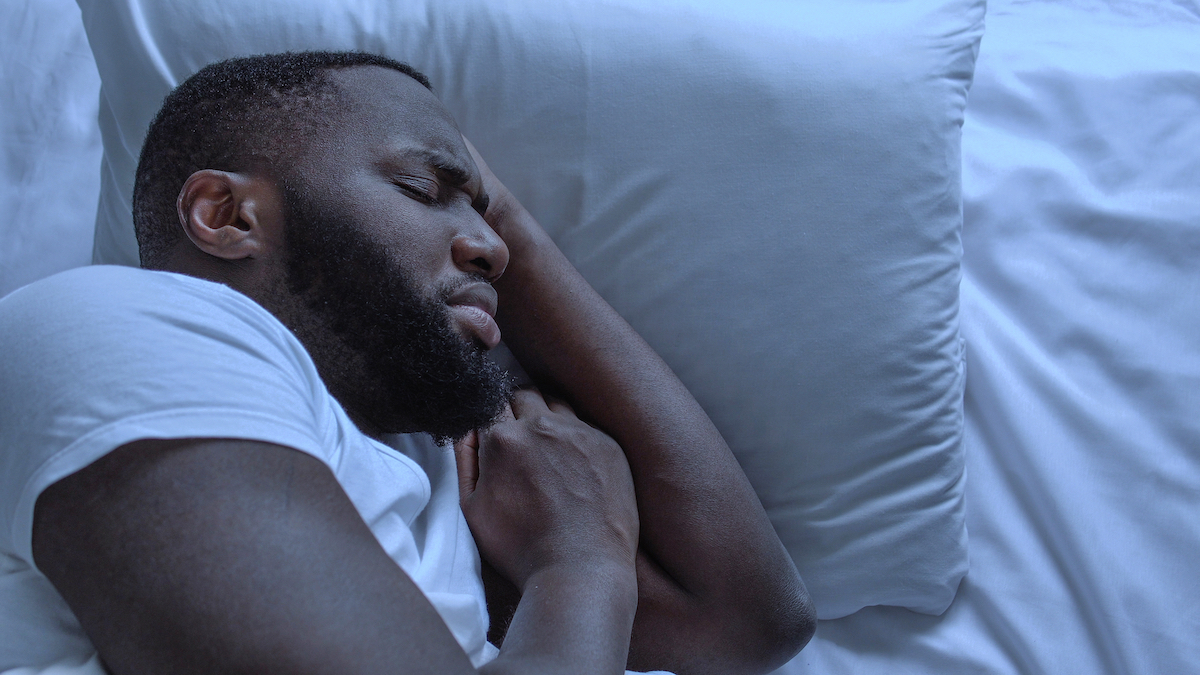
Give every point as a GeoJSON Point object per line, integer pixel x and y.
{"type": "Point", "coordinates": [96, 358]}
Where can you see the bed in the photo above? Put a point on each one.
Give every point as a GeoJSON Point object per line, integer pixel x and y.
{"type": "Point", "coordinates": [975, 421]}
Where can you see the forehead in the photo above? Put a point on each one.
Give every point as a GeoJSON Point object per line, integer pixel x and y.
{"type": "Point", "coordinates": [383, 111]}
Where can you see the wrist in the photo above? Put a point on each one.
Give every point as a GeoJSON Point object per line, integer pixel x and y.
{"type": "Point", "coordinates": [521, 232]}
{"type": "Point", "coordinates": [597, 578]}
{"type": "Point", "coordinates": [573, 618]}
{"type": "Point", "coordinates": [613, 565]}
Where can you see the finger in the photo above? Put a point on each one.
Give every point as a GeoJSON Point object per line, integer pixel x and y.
{"type": "Point", "coordinates": [491, 184]}
{"type": "Point", "coordinates": [528, 402]}
{"type": "Point", "coordinates": [482, 437]}
{"type": "Point", "coordinates": [478, 159]}
{"type": "Point", "coordinates": [506, 415]}
{"type": "Point", "coordinates": [560, 406]}
{"type": "Point", "coordinates": [466, 457]}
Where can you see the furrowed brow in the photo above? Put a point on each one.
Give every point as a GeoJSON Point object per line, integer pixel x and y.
{"type": "Point", "coordinates": [448, 168]}
{"type": "Point", "coordinates": [455, 174]}
{"type": "Point", "coordinates": [452, 171]}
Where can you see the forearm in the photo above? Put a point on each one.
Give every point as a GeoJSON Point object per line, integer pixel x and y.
{"type": "Point", "coordinates": [573, 343]}
{"type": "Point", "coordinates": [571, 619]}
{"type": "Point", "coordinates": [702, 526]}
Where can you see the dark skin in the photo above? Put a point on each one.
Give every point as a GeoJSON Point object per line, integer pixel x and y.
{"type": "Point", "coordinates": [642, 544]}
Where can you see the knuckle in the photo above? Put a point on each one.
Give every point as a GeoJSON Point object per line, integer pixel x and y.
{"type": "Point", "coordinates": [502, 436]}
{"type": "Point", "coordinates": [523, 397]}
{"type": "Point", "coordinates": [545, 426]}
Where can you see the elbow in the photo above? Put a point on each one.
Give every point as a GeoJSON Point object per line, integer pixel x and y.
{"type": "Point", "coordinates": [751, 627]}
{"type": "Point", "coordinates": [754, 635]}
{"type": "Point", "coordinates": [777, 629]}
{"type": "Point", "coordinates": [796, 625]}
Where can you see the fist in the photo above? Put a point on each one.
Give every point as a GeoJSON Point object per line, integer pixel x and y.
{"type": "Point", "coordinates": [541, 487]}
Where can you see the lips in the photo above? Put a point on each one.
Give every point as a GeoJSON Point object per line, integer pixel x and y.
{"type": "Point", "coordinates": [473, 308]}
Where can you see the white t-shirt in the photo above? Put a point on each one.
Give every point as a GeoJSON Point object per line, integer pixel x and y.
{"type": "Point", "coordinates": [97, 357]}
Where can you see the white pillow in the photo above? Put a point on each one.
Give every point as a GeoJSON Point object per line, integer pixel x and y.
{"type": "Point", "coordinates": [768, 193]}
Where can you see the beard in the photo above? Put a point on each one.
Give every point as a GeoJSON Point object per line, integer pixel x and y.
{"type": "Point", "coordinates": [388, 353]}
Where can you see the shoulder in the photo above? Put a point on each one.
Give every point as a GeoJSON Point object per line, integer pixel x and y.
{"type": "Point", "coordinates": [95, 282]}
{"type": "Point", "coordinates": [112, 312]}
{"type": "Point", "coordinates": [122, 293]}
{"type": "Point", "coordinates": [99, 357]}
{"type": "Point", "coordinates": [101, 346]}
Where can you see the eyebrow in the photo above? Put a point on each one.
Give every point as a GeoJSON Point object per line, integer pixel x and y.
{"type": "Point", "coordinates": [449, 168]}
{"type": "Point", "coordinates": [455, 173]}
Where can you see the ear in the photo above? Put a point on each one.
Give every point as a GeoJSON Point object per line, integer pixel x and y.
{"type": "Point", "coordinates": [229, 215]}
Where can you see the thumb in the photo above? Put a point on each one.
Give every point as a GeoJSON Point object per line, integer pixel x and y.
{"type": "Point", "coordinates": [466, 456]}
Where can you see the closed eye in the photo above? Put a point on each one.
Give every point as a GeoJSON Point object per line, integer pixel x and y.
{"type": "Point", "coordinates": [426, 194]}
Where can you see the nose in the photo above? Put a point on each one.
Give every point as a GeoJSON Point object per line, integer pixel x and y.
{"type": "Point", "coordinates": [480, 251]}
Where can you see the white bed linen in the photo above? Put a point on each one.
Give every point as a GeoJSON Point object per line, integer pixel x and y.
{"type": "Point", "coordinates": [1081, 311]}
{"type": "Point", "coordinates": [1079, 307]}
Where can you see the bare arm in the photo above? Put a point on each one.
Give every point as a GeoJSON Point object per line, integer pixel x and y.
{"type": "Point", "coordinates": [226, 556]}
{"type": "Point", "coordinates": [717, 591]}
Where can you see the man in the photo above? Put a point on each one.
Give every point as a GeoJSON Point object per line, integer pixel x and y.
{"type": "Point", "coordinates": [194, 460]}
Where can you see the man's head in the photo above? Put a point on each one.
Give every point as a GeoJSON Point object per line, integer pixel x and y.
{"type": "Point", "coordinates": [335, 190]}
{"type": "Point", "coordinates": [254, 114]}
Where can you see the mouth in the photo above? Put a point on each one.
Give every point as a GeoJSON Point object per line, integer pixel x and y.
{"type": "Point", "coordinates": [473, 309]}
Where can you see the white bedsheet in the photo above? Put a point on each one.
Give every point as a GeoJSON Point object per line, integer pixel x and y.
{"type": "Point", "coordinates": [1081, 310]}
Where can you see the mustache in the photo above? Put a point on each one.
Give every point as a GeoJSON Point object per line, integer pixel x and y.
{"type": "Point", "coordinates": [443, 294]}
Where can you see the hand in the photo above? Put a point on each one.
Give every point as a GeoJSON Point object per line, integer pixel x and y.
{"type": "Point", "coordinates": [542, 488]}
{"type": "Point", "coordinates": [505, 213]}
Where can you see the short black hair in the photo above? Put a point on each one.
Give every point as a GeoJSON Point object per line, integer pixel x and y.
{"type": "Point", "coordinates": [243, 114]}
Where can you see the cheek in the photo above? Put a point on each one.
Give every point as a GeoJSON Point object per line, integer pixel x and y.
{"type": "Point", "coordinates": [415, 237]}
{"type": "Point", "coordinates": [418, 256]}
